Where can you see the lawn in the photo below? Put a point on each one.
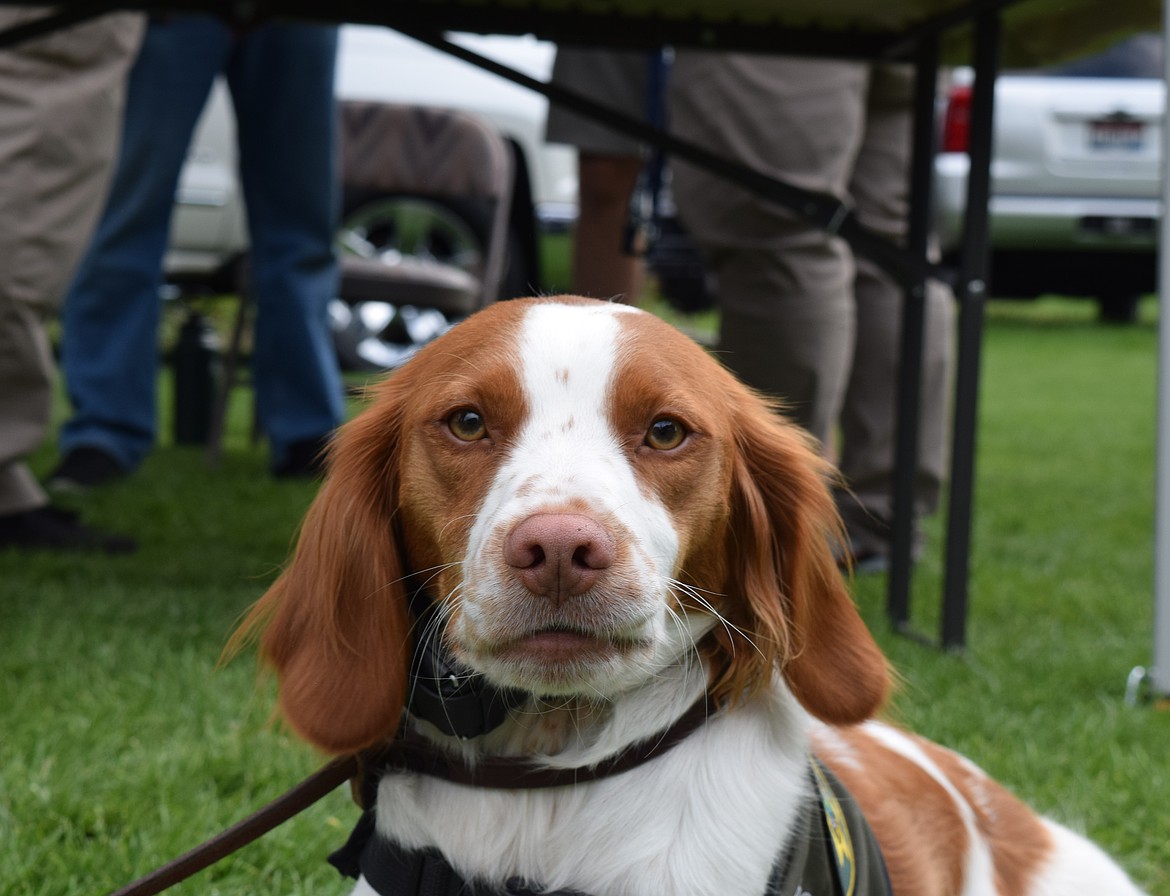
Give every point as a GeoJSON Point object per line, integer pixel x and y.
{"type": "Point", "coordinates": [123, 742]}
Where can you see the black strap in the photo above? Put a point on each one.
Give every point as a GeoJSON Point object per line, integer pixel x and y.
{"type": "Point", "coordinates": [809, 863]}
{"type": "Point", "coordinates": [394, 871]}
{"type": "Point", "coordinates": [813, 863]}
{"type": "Point", "coordinates": [642, 226]}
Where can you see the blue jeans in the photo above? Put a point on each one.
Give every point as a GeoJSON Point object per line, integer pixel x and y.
{"type": "Point", "coordinates": [281, 82]}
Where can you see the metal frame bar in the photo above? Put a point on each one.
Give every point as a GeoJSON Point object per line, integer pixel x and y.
{"type": "Point", "coordinates": [913, 337]}
{"type": "Point", "coordinates": [971, 292]}
{"type": "Point", "coordinates": [909, 266]}
{"type": "Point", "coordinates": [820, 209]}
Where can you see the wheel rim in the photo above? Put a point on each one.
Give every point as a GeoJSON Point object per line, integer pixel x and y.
{"type": "Point", "coordinates": [398, 226]}
{"type": "Point", "coordinates": [376, 335]}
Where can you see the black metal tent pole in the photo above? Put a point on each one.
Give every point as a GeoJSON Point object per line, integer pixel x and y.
{"type": "Point", "coordinates": [913, 329]}
{"type": "Point", "coordinates": [971, 291]}
{"type": "Point", "coordinates": [909, 265]}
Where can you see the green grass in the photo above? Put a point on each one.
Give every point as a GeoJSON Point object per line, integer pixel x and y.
{"type": "Point", "coordinates": [122, 743]}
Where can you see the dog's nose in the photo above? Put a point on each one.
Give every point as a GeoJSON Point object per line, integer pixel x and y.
{"type": "Point", "coordinates": [559, 554]}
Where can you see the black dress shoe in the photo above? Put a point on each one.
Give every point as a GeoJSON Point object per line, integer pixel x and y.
{"type": "Point", "coordinates": [51, 528]}
{"type": "Point", "coordinates": [85, 467]}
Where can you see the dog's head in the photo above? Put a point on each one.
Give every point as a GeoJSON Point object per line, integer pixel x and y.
{"type": "Point", "coordinates": [584, 495]}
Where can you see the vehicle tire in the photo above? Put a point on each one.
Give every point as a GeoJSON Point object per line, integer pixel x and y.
{"type": "Point", "coordinates": [450, 231]}
{"type": "Point", "coordinates": [371, 336]}
{"type": "Point", "coordinates": [1118, 308]}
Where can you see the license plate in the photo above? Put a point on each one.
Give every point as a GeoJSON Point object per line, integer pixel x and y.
{"type": "Point", "coordinates": [1114, 135]}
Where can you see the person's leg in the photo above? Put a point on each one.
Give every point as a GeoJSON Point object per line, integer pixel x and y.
{"type": "Point", "coordinates": [60, 116]}
{"type": "Point", "coordinates": [601, 266]}
{"type": "Point", "coordinates": [608, 164]}
{"type": "Point", "coordinates": [784, 288]}
{"type": "Point", "coordinates": [786, 326]}
{"type": "Point", "coordinates": [869, 417]}
{"type": "Point", "coordinates": [281, 79]}
{"type": "Point", "coordinates": [43, 203]}
{"type": "Point", "coordinates": [111, 314]}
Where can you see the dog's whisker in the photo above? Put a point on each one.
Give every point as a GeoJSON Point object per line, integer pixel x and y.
{"type": "Point", "coordinates": [728, 626]}
{"type": "Point", "coordinates": [433, 572]}
{"type": "Point", "coordinates": [688, 638]}
{"type": "Point", "coordinates": [457, 519]}
{"type": "Point", "coordinates": [430, 571]}
{"type": "Point", "coordinates": [433, 624]}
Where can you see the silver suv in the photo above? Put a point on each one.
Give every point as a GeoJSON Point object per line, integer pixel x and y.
{"type": "Point", "coordinates": [1075, 177]}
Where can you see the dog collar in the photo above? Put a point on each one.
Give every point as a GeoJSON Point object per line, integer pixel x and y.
{"type": "Point", "coordinates": [414, 753]}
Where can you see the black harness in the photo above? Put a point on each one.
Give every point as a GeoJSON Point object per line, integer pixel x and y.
{"type": "Point", "coordinates": [832, 852]}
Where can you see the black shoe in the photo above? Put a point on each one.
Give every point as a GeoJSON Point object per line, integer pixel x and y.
{"type": "Point", "coordinates": [304, 459]}
{"type": "Point", "coordinates": [55, 529]}
{"type": "Point", "coordinates": [83, 468]}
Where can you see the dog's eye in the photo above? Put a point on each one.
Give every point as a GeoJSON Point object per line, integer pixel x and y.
{"type": "Point", "coordinates": [467, 425]}
{"type": "Point", "coordinates": [665, 433]}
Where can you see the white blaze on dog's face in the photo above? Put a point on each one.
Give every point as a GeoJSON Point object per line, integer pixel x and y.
{"type": "Point", "coordinates": [564, 582]}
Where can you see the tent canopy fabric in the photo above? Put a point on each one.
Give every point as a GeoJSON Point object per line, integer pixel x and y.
{"type": "Point", "coordinates": [1035, 32]}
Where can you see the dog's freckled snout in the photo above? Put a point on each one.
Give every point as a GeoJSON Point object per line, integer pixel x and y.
{"type": "Point", "coordinates": [559, 554]}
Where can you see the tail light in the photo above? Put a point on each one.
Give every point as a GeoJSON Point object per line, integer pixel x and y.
{"type": "Point", "coordinates": [957, 122]}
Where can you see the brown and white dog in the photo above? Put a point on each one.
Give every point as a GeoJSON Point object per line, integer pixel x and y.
{"type": "Point", "coordinates": [608, 522]}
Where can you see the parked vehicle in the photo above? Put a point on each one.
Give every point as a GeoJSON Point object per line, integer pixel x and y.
{"type": "Point", "coordinates": [209, 236]}
{"type": "Point", "coordinates": [1075, 177]}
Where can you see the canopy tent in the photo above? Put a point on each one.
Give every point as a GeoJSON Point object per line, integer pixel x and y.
{"type": "Point", "coordinates": [928, 32]}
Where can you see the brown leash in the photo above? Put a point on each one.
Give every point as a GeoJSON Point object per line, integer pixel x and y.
{"type": "Point", "coordinates": [317, 785]}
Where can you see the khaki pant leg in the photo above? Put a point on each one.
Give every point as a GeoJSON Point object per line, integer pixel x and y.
{"type": "Point", "coordinates": [784, 287]}
{"type": "Point", "coordinates": [880, 188]}
{"type": "Point", "coordinates": [60, 117]}
{"type": "Point", "coordinates": [790, 342]}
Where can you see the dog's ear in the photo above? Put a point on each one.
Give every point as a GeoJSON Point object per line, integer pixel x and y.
{"type": "Point", "coordinates": [785, 579]}
{"type": "Point", "coordinates": [335, 625]}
